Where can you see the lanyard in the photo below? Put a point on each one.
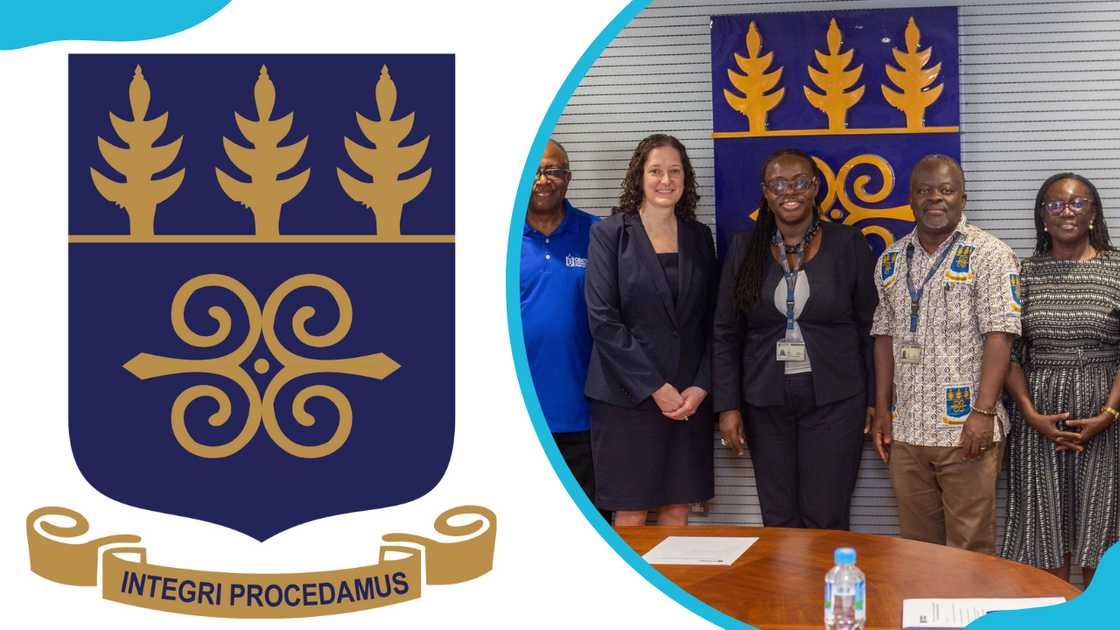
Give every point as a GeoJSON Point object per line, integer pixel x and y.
{"type": "Point", "coordinates": [790, 273]}
{"type": "Point", "coordinates": [916, 294]}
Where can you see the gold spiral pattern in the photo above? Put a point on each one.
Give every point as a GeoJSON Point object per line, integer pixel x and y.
{"type": "Point", "coordinates": [838, 205]}
{"type": "Point", "coordinates": [217, 419]}
{"type": "Point", "coordinates": [217, 313]}
{"type": "Point", "coordinates": [261, 324]}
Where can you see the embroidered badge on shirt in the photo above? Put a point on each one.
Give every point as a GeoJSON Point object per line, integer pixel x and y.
{"type": "Point", "coordinates": [958, 404]}
{"type": "Point", "coordinates": [1016, 303]}
{"type": "Point", "coordinates": [960, 265]}
{"type": "Point", "coordinates": [887, 269]}
{"type": "Point", "coordinates": [575, 261]}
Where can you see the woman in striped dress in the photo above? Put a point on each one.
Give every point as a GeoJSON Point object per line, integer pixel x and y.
{"type": "Point", "coordinates": [1064, 481]}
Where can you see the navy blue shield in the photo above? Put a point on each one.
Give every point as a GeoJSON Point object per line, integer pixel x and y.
{"type": "Point", "coordinates": [958, 403]}
{"type": "Point", "coordinates": [866, 93]}
{"type": "Point", "coordinates": [262, 282]}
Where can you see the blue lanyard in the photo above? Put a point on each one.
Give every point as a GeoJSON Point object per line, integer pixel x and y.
{"type": "Point", "coordinates": [916, 294]}
{"type": "Point", "coordinates": [790, 274]}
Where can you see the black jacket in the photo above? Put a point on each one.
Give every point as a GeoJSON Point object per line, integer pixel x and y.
{"type": "Point", "coordinates": [835, 323]}
{"type": "Point", "coordinates": [641, 340]}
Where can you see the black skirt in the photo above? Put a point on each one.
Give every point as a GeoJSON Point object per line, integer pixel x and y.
{"type": "Point", "coordinates": [644, 460]}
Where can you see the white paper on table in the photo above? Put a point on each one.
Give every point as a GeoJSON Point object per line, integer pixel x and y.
{"type": "Point", "coordinates": [959, 612]}
{"type": "Point", "coordinates": [713, 550]}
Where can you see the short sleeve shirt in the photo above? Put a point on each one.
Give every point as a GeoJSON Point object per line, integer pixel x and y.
{"type": "Point", "coordinates": [975, 291]}
{"type": "Point", "coordinates": [554, 318]}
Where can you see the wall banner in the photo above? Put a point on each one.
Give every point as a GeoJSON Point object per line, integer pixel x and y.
{"type": "Point", "coordinates": [866, 93]}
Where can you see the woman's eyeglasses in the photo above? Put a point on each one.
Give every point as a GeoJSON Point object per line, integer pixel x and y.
{"type": "Point", "coordinates": [801, 183]}
{"type": "Point", "coordinates": [1077, 205]}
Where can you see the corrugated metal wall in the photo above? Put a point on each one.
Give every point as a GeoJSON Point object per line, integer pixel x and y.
{"type": "Point", "coordinates": [1040, 93]}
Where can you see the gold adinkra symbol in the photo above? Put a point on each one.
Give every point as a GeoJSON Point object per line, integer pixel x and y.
{"type": "Point", "coordinates": [262, 409]}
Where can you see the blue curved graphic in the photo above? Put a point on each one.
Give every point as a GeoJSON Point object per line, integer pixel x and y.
{"type": "Point", "coordinates": [517, 339]}
{"type": "Point", "coordinates": [1090, 610]}
{"type": "Point", "coordinates": [30, 22]}
{"type": "Point", "coordinates": [1087, 611]}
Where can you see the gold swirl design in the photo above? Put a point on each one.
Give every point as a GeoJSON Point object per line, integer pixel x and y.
{"type": "Point", "coordinates": [838, 205]}
{"type": "Point", "coordinates": [852, 212]}
{"type": "Point", "coordinates": [261, 324]}
{"type": "Point", "coordinates": [450, 562]}
{"type": "Point", "coordinates": [228, 366]}
{"type": "Point", "coordinates": [61, 561]}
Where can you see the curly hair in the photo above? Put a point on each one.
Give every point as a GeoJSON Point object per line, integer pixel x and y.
{"type": "Point", "coordinates": [748, 280]}
{"type": "Point", "coordinates": [631, 198]}
{"type": "Point", "coordinates": [1098, 236]}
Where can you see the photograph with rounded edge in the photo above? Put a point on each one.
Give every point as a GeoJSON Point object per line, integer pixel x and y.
{"type": "Point", "coordinates": [815, 312]}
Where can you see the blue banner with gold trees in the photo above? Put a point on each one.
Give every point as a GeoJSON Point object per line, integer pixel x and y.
{"type": "Point", "coordinates": [866, 93]}
{"type": "Point", "coordinates": [261, 282]}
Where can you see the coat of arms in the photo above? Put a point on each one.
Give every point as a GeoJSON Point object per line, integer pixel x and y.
{"type": "Point", "coordinates": [261, 282]}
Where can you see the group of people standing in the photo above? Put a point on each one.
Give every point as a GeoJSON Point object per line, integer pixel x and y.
{"type": "Point", "coordinates": [802, 345]}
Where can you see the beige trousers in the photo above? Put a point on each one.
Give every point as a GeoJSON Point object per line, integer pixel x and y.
{"type": "Point", "coordinates": [944, 499]}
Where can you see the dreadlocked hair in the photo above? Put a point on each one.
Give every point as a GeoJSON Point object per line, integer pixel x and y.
{"type": "Point", "coordinates": [1098, 236]}
{"type": "Point", "coordinates": [631, 198]}
{"type": "Point", "coordinates": [748, 281]}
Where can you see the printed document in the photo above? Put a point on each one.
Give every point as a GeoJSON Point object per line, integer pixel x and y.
{"type": "Point", "coordinates": [713, 550]}
{"type": "Point", "coordinates": [958, 613]}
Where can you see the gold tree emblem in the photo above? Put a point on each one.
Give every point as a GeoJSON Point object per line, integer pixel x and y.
{"type": "Point", "coordinates": [913, 78]}
{"type": "Point", "coordinates": [753, 84]}
{"type": "Point", "coordinates": [139, 193]}
{"type": "Point", "coordinates": [386, 161]}
{"type": "Point", "coordinates": [833, 80]}
{"type": "Point", "coordinates": [265, 193]}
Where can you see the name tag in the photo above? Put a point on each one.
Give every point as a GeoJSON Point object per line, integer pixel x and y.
{"type": "Point", "coordinates": [910, 352]}
{"type": "Point", "coordinates": [791, 350]}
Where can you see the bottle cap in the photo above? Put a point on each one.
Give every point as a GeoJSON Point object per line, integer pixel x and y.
{"type": "Point", "coordinates": [844, 555]}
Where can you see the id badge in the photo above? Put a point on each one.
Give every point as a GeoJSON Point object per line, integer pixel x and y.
{"type": "Point", "coordinates": [910, 352]}
{"type": "Point", "coordinates": [791, 350]}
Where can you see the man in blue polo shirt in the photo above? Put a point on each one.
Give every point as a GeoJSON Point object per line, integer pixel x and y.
{"type": "Point", "coordinates": [554, 313]}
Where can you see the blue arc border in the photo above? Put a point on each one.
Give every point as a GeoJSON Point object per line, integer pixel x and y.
{"type": "Point", "coordinates": [517, 340]}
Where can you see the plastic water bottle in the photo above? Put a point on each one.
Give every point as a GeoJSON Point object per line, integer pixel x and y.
{"type": "Point", "coordinates": [845, 590]}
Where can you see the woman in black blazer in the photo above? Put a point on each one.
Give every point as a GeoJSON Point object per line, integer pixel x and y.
{"type": "Point", "coordinates": [650, 287]}
{"type": "Point", "coordinates": [793, 352]}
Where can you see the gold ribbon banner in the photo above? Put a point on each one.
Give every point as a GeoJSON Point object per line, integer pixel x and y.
{"type": "Point", "coordinates": [127, 577]}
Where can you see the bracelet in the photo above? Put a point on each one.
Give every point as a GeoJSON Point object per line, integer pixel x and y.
{"type": "Point", "coordinates": [1110, 410]}
{"type": "Point", "coordinates": [985, 412]}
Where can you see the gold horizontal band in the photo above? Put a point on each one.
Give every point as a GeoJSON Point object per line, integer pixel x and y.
{"type": "Point", "coordinates": [832, 132]}
{"type": "Point", "coordinates": [255, 238]}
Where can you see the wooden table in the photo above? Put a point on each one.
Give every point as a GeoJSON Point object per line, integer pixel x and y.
{"type": "Point", "coordinates": [779, 581]}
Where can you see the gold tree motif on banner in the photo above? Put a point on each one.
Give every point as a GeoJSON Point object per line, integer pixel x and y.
{"type": "Point", "coordinates": [265, 193]}
{"type": "Point", "coordinates": [138, 161]}
{"type": "Point", "coordinates": [834, 80]}
{"type": "Point", "coordinates": [913, 79]}
{"type": "Point", "coordinates": [754, 83]}
{"type": "Point", "coordinates": [387, 194]}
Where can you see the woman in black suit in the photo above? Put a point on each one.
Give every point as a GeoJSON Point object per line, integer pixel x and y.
{"type": "Point", "coordinates": [650, 289]}
{"type": "Point", "coordinates": [792, 350]}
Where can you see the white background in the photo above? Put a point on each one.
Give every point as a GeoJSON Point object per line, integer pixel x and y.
{"type": "Point", "coordinates": [551, 569]}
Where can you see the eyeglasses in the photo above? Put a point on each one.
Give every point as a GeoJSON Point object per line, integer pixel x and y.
{"type": "Point", "coordinates": [801, 183]}
{"type": "Point", "coordinates": [1077, 205]}
{"type": "Point", "coordinates": [553, 173]}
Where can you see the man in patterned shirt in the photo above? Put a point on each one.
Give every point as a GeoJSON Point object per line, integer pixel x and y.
{"type": "Point", "coordinates": [948, 311]}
